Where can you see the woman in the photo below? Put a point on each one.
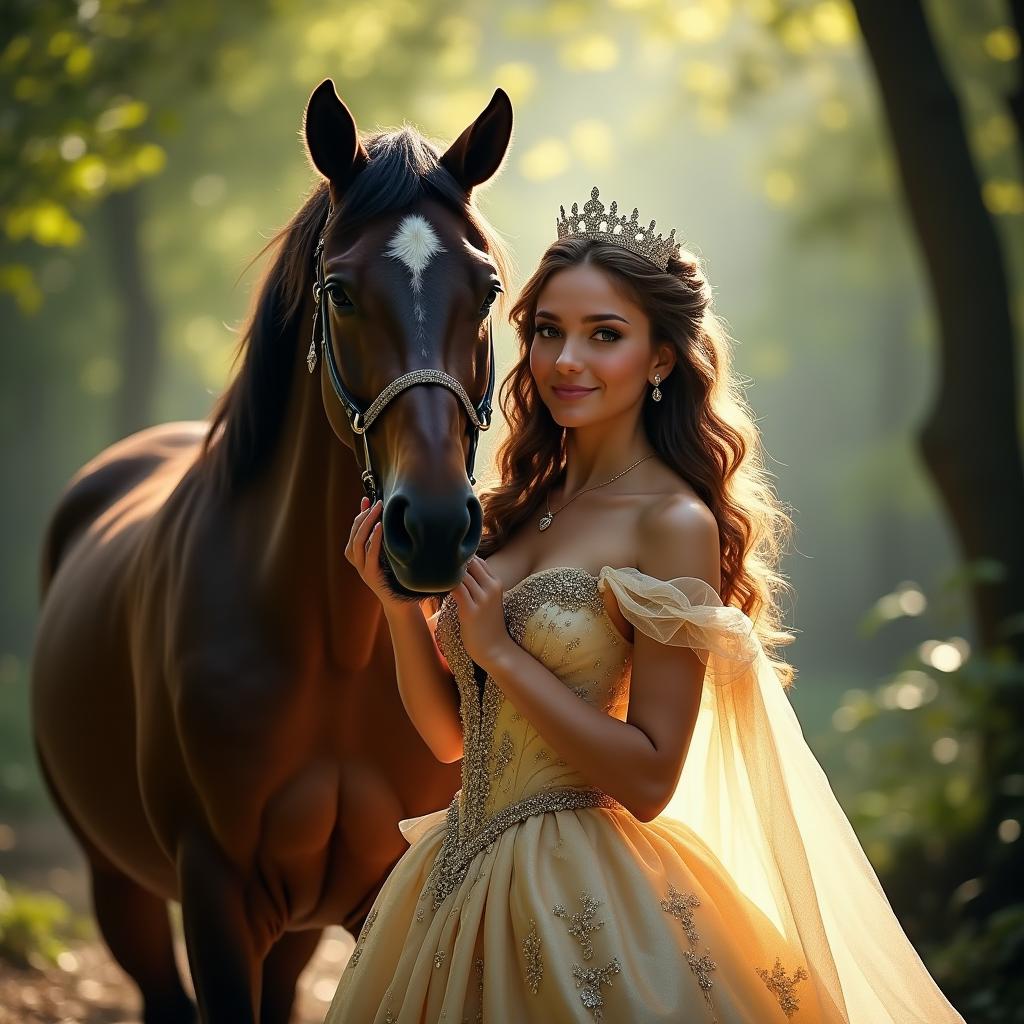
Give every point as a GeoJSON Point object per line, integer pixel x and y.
{"type": "Point", "coordinates": [642, 833]}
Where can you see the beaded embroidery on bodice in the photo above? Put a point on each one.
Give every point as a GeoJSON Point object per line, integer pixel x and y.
{"type": "Point", "coordinates": [558, 616]}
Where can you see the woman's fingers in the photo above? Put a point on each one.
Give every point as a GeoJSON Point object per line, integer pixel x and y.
{"type": "Point", "coordinates": [361, 527]}
{"type": "Point", "coordinates": [481, 575]}
{"type": "Point", "coordinates": [366, 521]}
{"type": "Point", "coordinates": [473, 588]}
{"type": "Point", "coordinates": [373, 540]}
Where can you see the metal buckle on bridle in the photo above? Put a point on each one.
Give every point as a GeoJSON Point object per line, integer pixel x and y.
{"type": "Point", "coordinates": [360, 420]}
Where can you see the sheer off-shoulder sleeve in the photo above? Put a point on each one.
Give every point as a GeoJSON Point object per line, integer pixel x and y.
{"type": "Point", "coordinates": [685, 612]}
{"type": "Point", "coordinates": [756, 795]}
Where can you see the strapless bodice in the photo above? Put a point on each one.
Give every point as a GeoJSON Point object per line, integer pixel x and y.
{"type": "Point", "coordinates": [509, 771]}
{"type": "Point", "coordinates": [558, 616]}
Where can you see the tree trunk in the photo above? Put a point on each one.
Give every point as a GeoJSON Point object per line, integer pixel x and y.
{"type": "Point", "coordinates": [140, 328]}
{"type": "Point", "coordinates": [969, 439]}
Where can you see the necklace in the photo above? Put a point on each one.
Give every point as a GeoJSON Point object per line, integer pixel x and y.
{"type": "Point", "coordinates": [549, 516]}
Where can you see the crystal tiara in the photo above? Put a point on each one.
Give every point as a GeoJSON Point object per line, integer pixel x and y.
{"type": "Point", "coordinates": [608, 226]}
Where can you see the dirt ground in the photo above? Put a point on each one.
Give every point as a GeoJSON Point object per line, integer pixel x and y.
{"type": "Point", "coordinates": [88, 987]}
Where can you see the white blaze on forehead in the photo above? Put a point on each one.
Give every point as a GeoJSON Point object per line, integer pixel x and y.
{"type": "Point", "coordinates": [415, 244]}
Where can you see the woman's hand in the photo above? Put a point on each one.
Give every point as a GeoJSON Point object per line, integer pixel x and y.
{"type": "Point", "coordinates": [481, 613]}
{"type": "Point", "coordinates": [363, 549]}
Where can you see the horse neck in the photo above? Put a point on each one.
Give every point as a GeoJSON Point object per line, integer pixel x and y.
{"type": "Point", "coordinates": [298, 516]}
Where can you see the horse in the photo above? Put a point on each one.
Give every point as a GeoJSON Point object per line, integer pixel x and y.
{"type": "Point", "coordinates": [214, 700]}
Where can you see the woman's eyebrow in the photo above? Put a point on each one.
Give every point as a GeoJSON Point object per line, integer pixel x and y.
{"type": "Point", "coordinates": [586, 319]}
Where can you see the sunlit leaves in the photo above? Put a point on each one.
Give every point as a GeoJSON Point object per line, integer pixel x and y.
{"type": "Point", "coordinates": [18, 280]}
{"type": "Point", "coordinates": [1002, 44]}
{"type": "Point", "coordinates": [1002, 196]}
{"type": "Point", "coordinates": [122, 115]}
{"type": "Point", "coordinates": [937, 763]}
{"type": "Point", "coordinates": [833, 22]}
{"type": "Point", "coordinates": [45, 222]}
{"type": "Point", "coordinates": [149, 159]}
{"type": "Point", "coordinates": [87, 175]}
{"type": "Point", "coordinates": [73, 131]}
{"type": "Point", "coordinates": [36, 926]}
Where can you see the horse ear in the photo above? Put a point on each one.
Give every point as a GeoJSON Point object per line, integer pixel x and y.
{"type": "Point", "coordinates": [331, 137]}
{"type": "Point", "coordinates": [478, 152]}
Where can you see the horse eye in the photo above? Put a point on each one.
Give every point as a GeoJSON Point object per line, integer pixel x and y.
{"type": "Point", "coordinates": [492, 296]}
{"type": "Point", "coordinates": [337, 295]}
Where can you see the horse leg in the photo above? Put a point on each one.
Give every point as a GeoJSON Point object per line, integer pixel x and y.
{"type": "Point", "coordinates": [281, 969]}
{"type": "Point", "coordinates": [137, 930]}
{"type": "Point", "coordinates": [134, 924]}
{"type": "Point", "coordinates": [223, 952]}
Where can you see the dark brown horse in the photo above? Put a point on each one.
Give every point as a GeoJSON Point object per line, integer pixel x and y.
{"type": "Point", "coordinates": [215, 706]}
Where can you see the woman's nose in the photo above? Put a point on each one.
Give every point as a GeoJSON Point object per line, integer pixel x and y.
{"type": "Point", "coordinates": [568, 357]}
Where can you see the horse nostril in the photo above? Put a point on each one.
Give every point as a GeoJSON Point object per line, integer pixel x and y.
{"type": "Point", "coordinates": [394, 525]}
{"type": "Point", "coordinates": [470, 539]}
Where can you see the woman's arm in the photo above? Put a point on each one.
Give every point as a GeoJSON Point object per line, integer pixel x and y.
{"type": "Point", "coordinates": [428, 689]}
{"type": "Point", "coordinates": [616, 757]}
{"type": "Point", "coordinates": [639, 761]}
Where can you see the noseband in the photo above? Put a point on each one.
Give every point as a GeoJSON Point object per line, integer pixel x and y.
{"type": "Point", "coordinates": [360, 420]}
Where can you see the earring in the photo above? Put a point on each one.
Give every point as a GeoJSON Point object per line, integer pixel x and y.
{"type": "Point", "coordinates": [656, 393]}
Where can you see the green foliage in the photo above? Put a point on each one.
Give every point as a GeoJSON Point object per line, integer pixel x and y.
{"type": "Point", "coordinates": [981, 963]}
{"type": "Point", "coordinates": [35, 926]}
{"type": "Point", "coordinates": [91, 91]}
{"type": "Point", "coordinates": [941, 797]}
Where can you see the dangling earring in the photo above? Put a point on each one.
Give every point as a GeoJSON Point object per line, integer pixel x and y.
{"type": "Point", "coordinates": [656, 393]}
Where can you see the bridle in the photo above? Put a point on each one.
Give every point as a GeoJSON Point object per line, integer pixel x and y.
{"type": "Point", "coordinates": [360, 420]}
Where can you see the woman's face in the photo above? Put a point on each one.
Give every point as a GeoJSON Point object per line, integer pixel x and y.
{"type": "Point", "coordinates": [589, 334]}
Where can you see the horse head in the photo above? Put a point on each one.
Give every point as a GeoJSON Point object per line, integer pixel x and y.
{"type": "Point", "coordinates": [406, 273]}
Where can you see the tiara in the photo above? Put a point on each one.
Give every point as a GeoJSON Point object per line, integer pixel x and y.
{"type": "Point", "coordinates": [610, 227]}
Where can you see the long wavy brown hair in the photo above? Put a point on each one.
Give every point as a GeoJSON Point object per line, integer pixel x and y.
{"type": "Point", "coordinates": [702, 428]}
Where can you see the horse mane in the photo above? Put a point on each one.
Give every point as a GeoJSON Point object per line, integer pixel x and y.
{"type": "Point", "coordinates": [247, 418]}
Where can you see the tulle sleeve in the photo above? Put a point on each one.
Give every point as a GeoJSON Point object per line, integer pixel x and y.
{"type": "Point", "coordinates": [754, 792]}
{"type": "Point", "coordinates": [686, 612]}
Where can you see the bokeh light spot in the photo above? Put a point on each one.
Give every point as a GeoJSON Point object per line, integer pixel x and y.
{"type": "Point", "coordinates": [546, 159]}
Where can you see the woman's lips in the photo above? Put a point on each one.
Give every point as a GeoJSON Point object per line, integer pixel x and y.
{"type": "Point", "coordinates": [569, 393]}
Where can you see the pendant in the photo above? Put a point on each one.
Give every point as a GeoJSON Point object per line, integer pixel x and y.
{"type": "Point", "coordinates": [545, 521]}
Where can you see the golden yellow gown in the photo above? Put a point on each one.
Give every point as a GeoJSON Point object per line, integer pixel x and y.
{"type": "Point", "coordinates": [536, 897]}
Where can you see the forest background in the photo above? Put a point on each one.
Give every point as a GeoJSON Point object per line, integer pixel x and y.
{"type": "Point", "coordinates": [850, 174]}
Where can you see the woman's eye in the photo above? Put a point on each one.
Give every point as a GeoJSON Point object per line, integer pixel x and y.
{"type": "Point", "coordinates": [541, 328]}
